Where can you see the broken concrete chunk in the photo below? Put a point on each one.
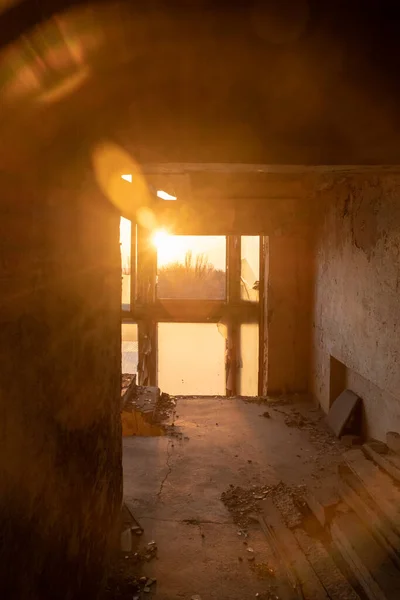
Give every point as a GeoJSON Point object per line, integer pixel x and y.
{"type": "Point", "coordinates": [393, 441]}
{"type": "Point", "coordinates": [342, 410]}
{"type": "Point", "coordinates": [146, 589]}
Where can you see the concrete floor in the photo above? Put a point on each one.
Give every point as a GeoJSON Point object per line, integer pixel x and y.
{"type": "Point", "coordinates": [173, 488]}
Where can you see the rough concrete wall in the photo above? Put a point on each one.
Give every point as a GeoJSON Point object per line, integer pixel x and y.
{"type": "Point", "coordinates": [357, 308]}
{"type": "Point", "coordinates": [60, 461]}
{"type": "Point", "coordinates": [288, 315]}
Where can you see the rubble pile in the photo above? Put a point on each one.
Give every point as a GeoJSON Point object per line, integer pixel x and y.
{"type": "Point", "coordinates": [243, 503]}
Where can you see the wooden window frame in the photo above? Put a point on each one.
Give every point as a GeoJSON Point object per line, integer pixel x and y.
{"type": "Point", "coordinates": [146, 310]}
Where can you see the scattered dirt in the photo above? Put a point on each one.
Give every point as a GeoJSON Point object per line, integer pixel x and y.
{"type": "Point", "coordinates": [121, 586]}
{"type": "Point", "coordinates": [288, 500]}
{"type": "Point", "coordinates": [125, 382]}
{"type": "Point", "coordinates": [295, 419]}
{"type": "Point", "coordinates": [125, 581]}
{"type": "Point", "coordinates": [319, 434]}
{"type": "Point", "coordinates": [148, 413]}
{"type": "Point", "coordinates": [165, 408]}
{"type": "Point", "coordinates": [283, 400]}
{"type": "Point", "coordinates": [242, 503]}
{"type": "Point", "coordinates": [263, 571]}
{"type": "Point", "coordinates": [269, 595]}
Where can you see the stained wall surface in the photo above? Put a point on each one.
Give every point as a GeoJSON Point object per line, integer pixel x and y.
{"type": "Point", "coordinates": [288, 312]}
{"type": "Point", "coordinates": [356, 320]}
{"type": "Point", "coordinates": [60, 346]}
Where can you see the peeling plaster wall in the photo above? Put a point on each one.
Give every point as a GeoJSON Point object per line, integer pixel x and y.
{"type": "Point", "coordinates": [357, 302]}
{"type": "Point", "coordinates": [60, 460]}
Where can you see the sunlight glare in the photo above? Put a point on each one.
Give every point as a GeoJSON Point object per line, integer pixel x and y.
{"type": "Point", "coordinates": [160, 238]}
{"type": "Point", "coordinates": [165, 196]}
{"type": "Point", "coordinates": [170, 248]}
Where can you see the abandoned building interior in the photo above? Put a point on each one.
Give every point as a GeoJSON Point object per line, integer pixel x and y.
{"type": "Point", "coordinates": [200, 316]}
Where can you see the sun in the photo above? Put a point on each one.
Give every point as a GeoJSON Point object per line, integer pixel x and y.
{"type": "Point", "coordinates": [160, 239]}
{"type": "Point", "coordinates": [170, 248]}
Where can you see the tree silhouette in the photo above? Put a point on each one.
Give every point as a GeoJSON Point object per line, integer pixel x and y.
{"type": "Point", "coordinates": [193, 279]}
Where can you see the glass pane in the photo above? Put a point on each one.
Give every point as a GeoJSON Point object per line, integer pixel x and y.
{"type": "Point", "coordinates": [249, 359]}
{"type": "Point", "coordinates": [250, 268]}
{"type": "Point", "coordinates": [191, 359]}
{"type": "Point", "coordinates": [190, 267]}
{"type": "Point", "coordinates": [130, 350]}
{"type": "Point", "coordinates": [125, 229]}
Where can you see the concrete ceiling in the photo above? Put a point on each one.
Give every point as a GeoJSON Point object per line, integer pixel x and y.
{"type": "Point", "coordinates": [290, 82]}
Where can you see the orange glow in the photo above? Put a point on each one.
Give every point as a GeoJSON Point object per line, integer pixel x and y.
{"type": "Point", "coordinates": [161, 239]}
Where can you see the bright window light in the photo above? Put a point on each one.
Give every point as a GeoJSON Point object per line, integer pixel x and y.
{"type": "Point", "coordinates": [161, 239]}
{"type": "Point", "coordinates": [164, 195]}
{"type": "Point", "coordinates": [127, 177]}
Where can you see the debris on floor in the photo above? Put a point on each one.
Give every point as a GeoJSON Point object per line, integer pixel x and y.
{"type": "Point", "coordinates": [125, 581]}
{"type": "Point", "coordinates": [359, 521]}
{"type": "Point", "coordinates": [263, 571]}
{"type": "Point", "coordinates": [336, 536]}
{"type": "Point", "coordinates": [289, 500]}
{"type": "Point", "coordinates": [243, 503]}
{"type": "Point", "coordinates": [126, 380]}
{"type": "Point", "coordinates": [139, 397]}
{"type": "Point", "coordinates": [135, 422]}
{"type": "Point", "coordinates": [165, 408]}
{"type": "Point", "coordinates": [295, 419]}
{"type": "Point", "coordinates": [313, 423]}
{"type": "Point", "coordinates": [145, 411]}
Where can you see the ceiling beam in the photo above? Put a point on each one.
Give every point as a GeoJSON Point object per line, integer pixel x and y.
{"type": "Point", "coordinates": [178, 168]}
